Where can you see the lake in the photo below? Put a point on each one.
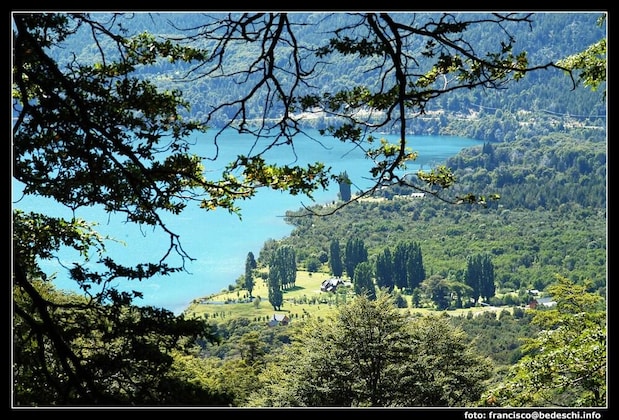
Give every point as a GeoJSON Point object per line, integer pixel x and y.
{"type": "Point", "coordinates": [220, 241]}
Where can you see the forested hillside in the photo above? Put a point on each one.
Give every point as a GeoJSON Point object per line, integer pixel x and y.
{"type": "Point", "coordinates": [550, 173]}
{"type": "Point", "coordinates": [541, 93]}
{"type": "Point", "coordinates": [551, 36]}
{"type": "Point", "coordinates": [551, 217]}
{"type": "Point", "coordinates": [550, 222]}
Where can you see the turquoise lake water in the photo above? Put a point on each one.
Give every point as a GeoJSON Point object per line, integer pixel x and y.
{"type": "Point", "coordinates": [218, 240]}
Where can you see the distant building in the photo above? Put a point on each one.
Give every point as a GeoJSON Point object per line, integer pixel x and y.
{"type": "Point", "coordinates": [279, 319]}
{"type": "Point", "coordinates": [409, 196]}
{"type": "Point", "coordinates": [330, 285]}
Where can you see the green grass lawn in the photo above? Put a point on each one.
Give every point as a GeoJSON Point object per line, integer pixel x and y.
{"type": "Point", "coordinates": [304, 300]}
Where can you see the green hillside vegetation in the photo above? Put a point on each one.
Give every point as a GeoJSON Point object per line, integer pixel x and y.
{"type": "Point", "coordinates": [539, 94]}
{"type": "Point", "coordinates": [497, 330]}
{"type": "Point", "coordinates": [495, 334]}
{"type": "Point", "coordinates": [536, 97]}
{"type": "Point", "coordinates": [304, 300]}
{"type": "Point", "coordinates": [521, 239]}
{"type": "Point", "coordinates": [551, 217]}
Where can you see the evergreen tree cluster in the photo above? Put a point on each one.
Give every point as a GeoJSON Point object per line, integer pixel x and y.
{"type": "Point", "coordinates": [355, 252]}
{"type": "Point", "coordinates": [282, 274]}
{"type": "Point", "coordinates": [479, 276]}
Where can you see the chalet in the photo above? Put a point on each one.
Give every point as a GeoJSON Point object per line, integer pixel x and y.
{"type": "Point", "coordinates": [330, 285]}
{"type": "Point", "coordinates": [279, 319]}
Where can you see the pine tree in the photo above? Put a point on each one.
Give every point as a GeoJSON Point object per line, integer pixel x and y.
{"type": "Point", "coordinates": [384, 270]}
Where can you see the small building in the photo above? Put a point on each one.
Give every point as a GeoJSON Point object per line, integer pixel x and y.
{"type": "Point", "coordinates": [279, 319]}
{"type": "Point", "coordinates": [330, 285]}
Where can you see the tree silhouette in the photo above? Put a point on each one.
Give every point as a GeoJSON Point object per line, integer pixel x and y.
{"type": "Point", "coordinates": [335, 258]}
{"type": "Point", "coordinates": [250, 266]}
{"type": "Point", "coordinates": [344, 183]}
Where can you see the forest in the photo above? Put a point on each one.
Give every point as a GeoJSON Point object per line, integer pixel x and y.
{"type": "Point", "coordinates": [545, 201]}
{"type": "Point", "coordinates": [104, 105]}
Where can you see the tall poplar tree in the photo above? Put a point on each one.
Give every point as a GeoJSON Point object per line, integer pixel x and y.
{"type": "Point", "coordinates": [479, 275]}
{"type": "Point", "coordinates": [415, 270]}
{"type": "Point", "coordinates": [355, 253]}
{"type": "Point", "coordinates": [344, 184]}
{"type": "Point", "coordinates": [335, 258]}
{"type": "Point", "coordinates": [282, 274]}
{"type": "Point", "coordinates": [275, 294]}
{"type": "Point", "coordinates": [384, 270]}
{"type": "Point", "coordinates": [400, 272]}
{"type": "Point", "coordinates": [250, 266]}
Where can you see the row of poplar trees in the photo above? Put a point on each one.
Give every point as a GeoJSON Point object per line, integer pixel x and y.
{"type": "Point", "coordinates": [282, 274]}
{"type": "Point", "coordinates": [402, 268]}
